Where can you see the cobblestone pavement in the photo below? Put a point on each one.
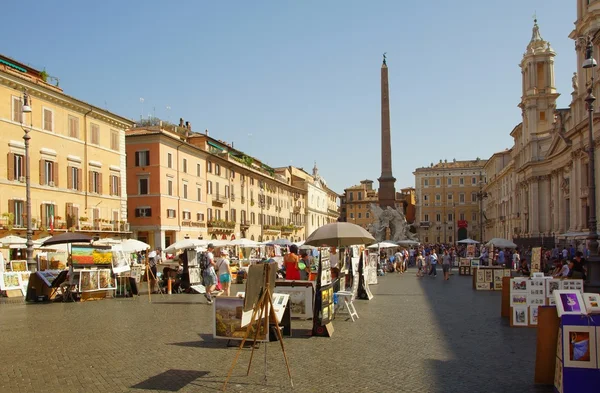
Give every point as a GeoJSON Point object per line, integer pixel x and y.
{"type": "Point", "coordinates": [415, 335]}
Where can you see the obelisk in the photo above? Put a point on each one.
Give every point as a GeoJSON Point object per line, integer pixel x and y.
{"type": "Point", "coordinates": [387, 190]}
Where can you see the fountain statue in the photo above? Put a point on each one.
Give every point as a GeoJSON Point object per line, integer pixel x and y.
{"type": "Point", "coordinates": [392, 220]}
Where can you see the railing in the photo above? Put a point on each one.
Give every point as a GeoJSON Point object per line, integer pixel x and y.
{"type": "Point", "coordinates": [220, 198]}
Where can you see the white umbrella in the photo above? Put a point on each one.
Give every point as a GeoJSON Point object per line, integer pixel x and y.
{"type": "Point", "coordinates": [279, 242]}
{"type": "Point", "coordinates": [244, 243]}
{"type": "Point", "coordinates": [12, 239]}
{"type": "Point", "coordinates": [109, 241]}
{"type": "Point", "coordinates": [134, 245]}
{"type": "Point", "coordinates": [182, 245]}
{"type": "Point", "coordinates": [408, 242]}
{"type": "Point", "coordinates": [501, 243]}
{"type": "Point", "coordinates": [468, 241]}
{"type": "Point", "coordinates": [383, 245]}
{"type": "Point", "coordinates": [338, 234]}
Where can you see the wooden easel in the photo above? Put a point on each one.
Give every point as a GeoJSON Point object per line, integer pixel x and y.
{"type": "Point", "coordinates": [264, 306]}
{"type": "Point", "coordinates": [148, 274]}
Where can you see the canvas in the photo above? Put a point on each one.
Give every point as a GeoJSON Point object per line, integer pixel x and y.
{"type": "Point", "coordinates": [518, 285]}
{"type": "Point", "coordinates": [551, 286]}
{"type": "Point", "coordinates": [592, 302]}
{"type": "Point", "coordinates": [506, 272]}
{"type": "Point", "coordinates": [579, 346]}
{"type": "Point", "coordinates": [569, 302]}
{"type": "Point", "coordinates": [18, 266]}
{"type": "Point", "coordinates": [10, 280]}
{"type": "Point", "coordinates": [88, 280]}
{"type": "Point", "coordinates": [228, 320]}
{"type": "Point", "coordinates": [195, 276]}
{"type": "Point", "coordinates": [105, 280]}
{"type": "Point", "coordinates": [480, 276]}
{"type": "Point", "coordinates": [518, 299]}
{"type": "Point", "coordinates": [520, 316]}
{"type": "Point", "coordinates": [301, 300]}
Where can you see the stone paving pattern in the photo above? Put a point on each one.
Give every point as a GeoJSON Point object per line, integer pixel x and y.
{"type": "Point", "coordinates": [415, 335]}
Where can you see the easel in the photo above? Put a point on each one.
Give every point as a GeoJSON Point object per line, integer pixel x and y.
{"type": "Point", "coordinates": [264, 306]}
{"type": "Point", "coordinates": [148, 274]}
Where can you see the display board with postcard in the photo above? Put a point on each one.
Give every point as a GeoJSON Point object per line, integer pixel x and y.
{"type": "Point", "coordinates": [489, 278]}
{"type": "Point", "coordinates": [323, 305]}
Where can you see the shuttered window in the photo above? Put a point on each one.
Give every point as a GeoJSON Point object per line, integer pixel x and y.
{"type": "Point", "coordinates": [73, 127]}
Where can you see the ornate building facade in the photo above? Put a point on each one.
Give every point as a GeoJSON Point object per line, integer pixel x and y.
{"type": "Point", "coordinates": [541, 192]}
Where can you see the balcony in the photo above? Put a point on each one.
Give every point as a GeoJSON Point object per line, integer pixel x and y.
{"type": "Point", "coordinates": [272, 229]}
{"type": "Point", "coordinates": [220, 226]}
{"type": "Point", "coordinates": [333, 211]}
{"type": "Point", "coordinates": [219, 198]}
{"type": "Point", "coordinates": [425, 224]}
{"type": "Point", "coordinates": [288, 229]}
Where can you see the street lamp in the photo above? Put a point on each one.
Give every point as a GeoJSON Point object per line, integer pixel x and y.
{"type": "Point", "coordinates": [26, 108]}
{"type": "Point", "coordinates": [593, 284]}
{"type": "Point", "coordinates": [480, 196]}
{"type": "Point", "coordinates": [262, 205]}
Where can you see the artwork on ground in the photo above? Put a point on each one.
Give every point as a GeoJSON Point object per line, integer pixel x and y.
{"type": "Point", "coordinates": [10, 280]}
{"type": "Point", "coordinates": [301, 305]}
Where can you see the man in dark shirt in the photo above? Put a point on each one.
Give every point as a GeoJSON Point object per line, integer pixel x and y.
{"type": "Point", "coordinates": [577, 266]}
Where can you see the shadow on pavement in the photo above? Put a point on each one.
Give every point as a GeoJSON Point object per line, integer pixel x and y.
{"type": "Point", "coordinates": [170, 380]}
{"type": "Point", "coordinates": [478, 350]}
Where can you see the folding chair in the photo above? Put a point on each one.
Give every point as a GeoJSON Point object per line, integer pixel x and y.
{"type": "Point", "coordinates": [346, 301]}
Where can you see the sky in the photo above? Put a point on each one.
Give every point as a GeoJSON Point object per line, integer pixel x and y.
{"type": "Point", "coordinates": [298, 82]}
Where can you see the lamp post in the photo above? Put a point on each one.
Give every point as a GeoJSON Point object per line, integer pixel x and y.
{"type": "Point", "coordinates": [480, 196]}
{"type": "Point", "coordinates": [26, 108]}
{"type": "Point", "coordinates": [262, 205]}
{"type": "Point", "coordinates": [593, 284]}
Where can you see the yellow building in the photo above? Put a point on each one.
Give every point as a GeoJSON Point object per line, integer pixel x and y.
{"type": "Point", "coordinates": [185, 184]}
{"type": "Point", "coordinates": [448, 203]}
{"type": "Point", "coordinates": [77, 158]}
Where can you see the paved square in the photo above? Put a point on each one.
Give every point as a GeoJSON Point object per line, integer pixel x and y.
{"type": "Point", "coordinates": [415, 335]}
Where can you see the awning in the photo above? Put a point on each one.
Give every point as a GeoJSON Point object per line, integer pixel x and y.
{"type": "Point", "coordinates": [215, 145]}
{"type": "Point", "coordinates": [11, 65]}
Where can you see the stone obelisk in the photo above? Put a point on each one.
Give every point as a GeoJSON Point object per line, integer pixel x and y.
{"type": "Point", "coordinates": [387, 190]}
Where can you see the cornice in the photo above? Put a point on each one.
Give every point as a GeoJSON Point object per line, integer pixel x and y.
{"type": "Point", "coordinates": [63, 100]}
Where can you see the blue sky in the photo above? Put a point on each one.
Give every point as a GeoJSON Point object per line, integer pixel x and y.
{"type": "Point", "coordinates": [293, 82]}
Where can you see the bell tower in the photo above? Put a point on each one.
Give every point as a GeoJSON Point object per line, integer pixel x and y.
{"type": "Point", "coordinates": [538, 99]}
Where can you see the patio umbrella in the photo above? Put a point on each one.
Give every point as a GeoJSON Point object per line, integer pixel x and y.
{"type": "Point", "coordinates": [339, 234]}
{"type": "Point", "coordinates": [67, 237]}
{"type": "Point", "coordinates": [501, 243]}
{"type": "Point", "coordinates": [12, 239]}
{"type": "Point", "coordinates": [134, 245]}
{"type": "Point", "coordinates": [407, 242]}
{"type": "Point", "coordinates": [244, 243]}
{"type": "Point", "coordinates": [468, 241]}
{"type": "Point", "coordinates": [278, 242]}
{"type": "Point", "coordinates": [109, 241]}
{"type": "Point", "coordinates": [183, 245]}
{"type": "Point", "coordinates": [383, 245]}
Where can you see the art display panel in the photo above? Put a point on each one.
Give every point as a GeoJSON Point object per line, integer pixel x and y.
{"type": "Point", "coordinates": [520, 316]}
{"type": "Point", "coordinates": [301, 300]}
{"type": "Point", "coordinates": [579, 346]}
{"type": "Point", "coordinates": [227, 324]}
{"type": "Point", "coordinates": [569, 302]}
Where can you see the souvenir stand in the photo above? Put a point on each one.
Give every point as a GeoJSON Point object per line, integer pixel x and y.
{"type": "Point", "coordinates": [464, 267]}
{"type": "Point", "coordinates": [489, 278]}
{"type": "Point", "coordinates": [577, 367]}
{"type": "Point", "coordinates": [92, 267]}
{"type": "Point", "coordinates": [323, 309]}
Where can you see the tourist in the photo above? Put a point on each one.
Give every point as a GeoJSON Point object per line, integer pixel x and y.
{"type": "Point", "coordinates": [225, 271]}
{"type": "Point", "coordinates": [563, 270]}
{"type": "Point", "coordinates": [420, 264]}
{"type": "Point", "coordinates": [446, 264]}
{"type": "Point", "coordinates": [209, 275]}
{"type": "Point", "coordinates": [334, 260]}
{"type": "Point", "coordinates": [304, 266]}
{"type": "Point", "coordinates": [577, 268]}
{"type": "Point", "coordinates": [152, 261]}
{"type": "Point", "coordinates": [524, 268]}
{"type": "Point", "coordinates": [290, 261]}
{"type": "Point", "coordinates": [516, 259]}
{"type": "Point", "coordinates": [501, 260]}
{"type": "Point", "coordinates": [398, 259]}
{"type": "Point", "coordinates": [433, 260]}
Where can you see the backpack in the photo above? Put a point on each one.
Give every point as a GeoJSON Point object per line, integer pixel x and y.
{"type": "Point", "coordinates": [204, 263]}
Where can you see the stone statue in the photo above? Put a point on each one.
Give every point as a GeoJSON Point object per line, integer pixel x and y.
{"type": "Point", "coordinates": [575, 82]}
{"type": "Point", "coordinates": [391, 219]}
{"type": "Point", "coordinates": [384, 58]}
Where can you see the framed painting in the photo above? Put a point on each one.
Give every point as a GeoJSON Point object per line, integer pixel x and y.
{"type": "Point", "coordinates": [533, 315]}
{"type": "Point", "coordinates": [301, 300]}
{"type": "Point", "coordinates": [480, 276]}
{"type": "Point", "coordinates": [88, 280]}
{"type": "Point", "coordinates": [518, 285]}
{"type": "Point", "coordinates": [195, 276]}
{"type": "Point", "coordinates": [489, 275]}
{"type": "Point", "coordinates": [520, 315]}
{"type": "Point", "coordinates": [18, 266]}
{"type": "Point", "coordinates": [227, 324]}
{"type": "Point", "coordinates": [592, 302]}
{"type": "Point", "coordinates": [518, 299]}
{"type": "Point", "coordinates": [551, 286]}
{"type": "Point", "coordinates": [569, 302]}
{"type": "Point", "coordinates": [10, 280]}
{"type": "Point", "coordinates": [579, 343]}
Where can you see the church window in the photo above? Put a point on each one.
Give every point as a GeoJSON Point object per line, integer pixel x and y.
{"type": "Point", "coordinates": [542, 116]}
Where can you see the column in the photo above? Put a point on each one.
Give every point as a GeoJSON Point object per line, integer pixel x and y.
{"type": "Point", "coordinates": [534, 211]}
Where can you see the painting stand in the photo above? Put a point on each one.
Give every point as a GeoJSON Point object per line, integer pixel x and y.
{"type": "Point", "coordinates": [263, 307]}
{"type": "Point", "coordinates": [148, 278]}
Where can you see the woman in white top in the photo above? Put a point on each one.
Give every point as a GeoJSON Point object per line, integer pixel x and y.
{"type": "Point", "coordinates": [564, 271]}
{"type": "Point", "coordinates": [224, 271]}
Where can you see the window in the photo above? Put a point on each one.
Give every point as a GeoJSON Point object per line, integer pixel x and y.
{"type": "Point", "coordinates": [367, 215]}
{"type": "Point", "coordinates": [16, 167]}
{"type": "Point", "coordinates": [217, 214]}
{"type": "Point", "coordinates": [226, 191]}
{"type": "Point", "coordinates": [142, 158]}
{"type": "Point", "coordinates": [73, 127]}
{"type": "Point", "coordinates": [199, 217]}
{"type": "Point", "coordinates": [217, 170]}
{"type": "Point", "coordinates": [208, 166]}
{"type": "Point", "coordinates": [114, 140]}
{"type": "Point", "coordinates": [426, 217]}
{"type": "Point", "coordinates": [359, 215]}
{"type": "Point", "coordinates": [186, 215]}
{"type": "Point", "coordinates": [425, 197]}
{"type": "Point", "coordinates": [351, 216]}
{"type": "Point", "coordinates": [17, 113]}
{"type": "Point", "coordinates": [171, 213]}
{"type": "Point", "coordinates": [170, 187]}
{"type": "Point", "coordinates": [359, 195]}
{"type": "Point", "coordinates": [199, 194]}
{"type": "Point", "coordinates": [48, 117]}
{"type": "Point", "coordinates": [473, 197]}
{"type": "Point", "coordinates": [209, 215]}
{"type": "Point", "coordinates": [185, 189]}
{"type": "Point", "coordinates": [198, 171]}
{"type": "Point", "coordinates": [209, 187]}
{"type": "Point", "coordinates": [48, 176]}
{"type": "Point", "coordinates": [74, 178]}
{"type": "Point", "coordinates": [542, 113]}
{"type": "Point", "coordinates": [474, 180]}
{"type": "Point", "coordinates": [169, 160]}
{"type": "Point", "coordinates": [461, 181]}
{"type": "Point", "coordinates": [94, 134]}
{"type": "Point", "coordinates": [449, 181]}
{"type": "Point", "coordinates": [144, 186]}
{"type": "Point", "coordinates": [17, 208]}
{"type": "Point", "coordinates": [251, 181]}
{"type": "Point", "coordinates": [95, 182]}
{"type": "Point", "coordinates": [115, 185]}
{"type": "Point", "coordinates": [233, 215]}
{"type": "Point", "coordinates": [438, 217]}
{"type": "Point", "coordinates": [351, 197]}
{"type": "Point", "coordinates": [474, 216]}
{"type": "Point", "coordinates": [232, 174]}
{"type": "Point", "coordinates": [449, 196]}
{"type": "Point", "coordinates": [461, 198]}
{"type": "Point", "coordinates": [252, 218]}
{"type": "Point", "coordinates": [143, 212]}
{"type": "Point", "coordinates": [49, 211]}
{"type": "Point", "coordinates": [426, 182]}
{"type": "Point", "coordinates": [437, 182]}
{"type": "Point", "coordinates": [462, 216]}
{"type": "Point", "coordinates": [184, 165]}
{"type": "Point", "coordinates": [72, 215]}
{"type": "Point", "coordinates": [449, 217]}
{"type": "Point", "coordinates": [438, 197]}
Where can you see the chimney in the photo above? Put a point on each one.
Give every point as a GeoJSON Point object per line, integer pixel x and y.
{"type": "Point", "coordinates": [206, 132]}
{"type": "Point", "coordinates": [181, 122]}
{"type": "Point", "coordinates": [232, 145]}
{"type": "Point", "coordinates": [187, 125]}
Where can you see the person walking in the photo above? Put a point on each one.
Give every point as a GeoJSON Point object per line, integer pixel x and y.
{"type": "Point", "coordinates": [516, 260]}
{"type": "Point", "coordinates": [225, 271]}
{"type": "Point", "coordinates": [433, 260]}
{"type": "Point", "coordinates": [420, 264]}
{"type": "Point", "coordinates": [446, 259]}
{"type": "Point", "coordinates": [210, 277]}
